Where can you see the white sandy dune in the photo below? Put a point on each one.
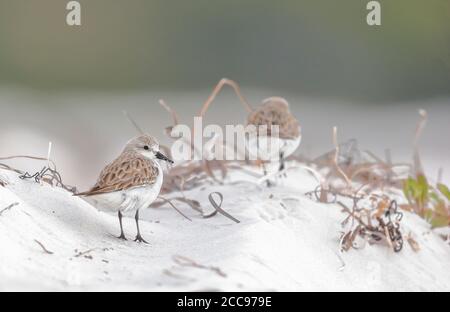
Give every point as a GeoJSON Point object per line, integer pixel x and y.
{"type": "Point", "coordinates": [285, 242]}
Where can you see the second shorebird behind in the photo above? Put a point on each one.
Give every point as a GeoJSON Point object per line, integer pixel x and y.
{"type": "Point", "coordinates": [131, 182]}
{"type": "Point", "coordinates": [274, 111]}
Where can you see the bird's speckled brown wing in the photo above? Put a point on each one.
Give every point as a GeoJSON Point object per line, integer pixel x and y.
{"type": "Point", "coordinates": [271, 114]}
{"type": "Point", "coordinates": [127, 171]}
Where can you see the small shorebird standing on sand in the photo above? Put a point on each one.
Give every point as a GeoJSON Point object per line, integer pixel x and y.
{"type": "Point", "coordinates": [274, 111]}
{"type": "Point", "coordinates": [131, 182]}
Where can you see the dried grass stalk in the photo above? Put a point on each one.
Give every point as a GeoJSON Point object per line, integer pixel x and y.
{"type": "Point", "coordinates": [217, 207]}
{"type": "Point", "coordinates": [7, 208]}
{"type": "Point", "coordinates": [223, 82]}
{"type": "Point", "coordinates": [419, 129]}
{"type": "Point", "coordinates": [185, 261]}
{"type": "Point", "coordinates": [169, 201]}
{"type": "Point", "coordinates": [43, 247]}
{"type": "Point", "coordinates": [336, 157]}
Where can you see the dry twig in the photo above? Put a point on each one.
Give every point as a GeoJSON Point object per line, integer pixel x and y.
{"type": "Point", "coordinates": [165, 200]}
{"type": "Point", "coordinates": [185, 261]}
{"type": "Point", "coordinates": [43, 247]}
{"type": "Point", "coordinates": [413, 243]}
{"type": "Point", "coordinates": [336, 157]}
{"type": "Point", "coordinates": [133, 122]}
{"type": "Point", "coordinates": [218, 87]}
{"type": "Point", "coordinates": [218, 208]}
{"type": "Point", "coordinates": [419, 129]}
{"type": "Point", "coordinates": [8, 208]}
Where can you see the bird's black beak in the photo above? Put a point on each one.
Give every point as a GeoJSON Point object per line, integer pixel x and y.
{"type": "Point", "coordinates": [161, 156]}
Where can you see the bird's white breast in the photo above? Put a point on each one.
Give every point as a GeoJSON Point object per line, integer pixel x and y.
{"type": "Point", "coordinates": [270, 148]}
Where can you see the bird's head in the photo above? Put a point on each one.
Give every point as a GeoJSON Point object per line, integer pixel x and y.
{"type": "Point", "coordinates": [147, 146]}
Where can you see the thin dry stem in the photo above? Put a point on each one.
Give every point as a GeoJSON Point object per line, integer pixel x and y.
{"type": "Point", "coordinates": [336, 159]}
{"type": "Point", "coordinates": [43, 247]}
{"type": "Point", "coordinates": [185, 261]}
{"type": "Point", "coordinates": [215, 92]}
{"type": "Point", "coordinates": [218, 207]}
{"type": "Point", "coordinates": [419, 129]}
{"type": "Point", "coordinates": [7, 208]}
{"type": "Point", "coordinates": [172, 113]}
{"type": "Point", "coordinates": [173, 206]}
{"type": "Point", "coordinates": [49, 153]}
{"type": "Point", "coordinates": [133, 122]}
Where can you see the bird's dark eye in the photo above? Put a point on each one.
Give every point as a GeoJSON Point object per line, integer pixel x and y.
{"type": "Point", "coordinates": [146, 147]}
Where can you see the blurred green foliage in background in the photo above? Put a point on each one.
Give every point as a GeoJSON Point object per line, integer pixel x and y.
{"type": "Point", "coordinates": [314, 47]}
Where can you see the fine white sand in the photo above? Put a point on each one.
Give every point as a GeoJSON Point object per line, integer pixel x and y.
{"type": "Point", "coordinates": [285, 241]}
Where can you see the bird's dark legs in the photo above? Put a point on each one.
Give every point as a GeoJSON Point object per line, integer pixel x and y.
{"type": "Point", "coordinates": [122, 235]}
{"type": "Point", "coordinates": [138, 236]}
{"type": "Point", "coordinates": [264, 169]}
{"type": "Point", "coordinates": [268, 183]}
{"type": "Point", "coordinates": [281, 168]}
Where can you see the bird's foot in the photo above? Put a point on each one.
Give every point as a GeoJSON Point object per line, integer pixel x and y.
{"type": "Point", "coordinates": [122, 236]}
{"type": "Point", "coordinates": [139, 239]}
{"type": "Point", "coordinates": [282, 171]}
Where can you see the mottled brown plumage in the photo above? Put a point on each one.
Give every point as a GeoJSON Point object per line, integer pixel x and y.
{"type": "Point", "coordinates": [129, 170]}
{"type": "Point", "coordinates": [275, 111]}
{"type": "Point", "coordinates": [131, 182]}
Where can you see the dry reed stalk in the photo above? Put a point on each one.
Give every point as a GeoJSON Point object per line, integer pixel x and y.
{"type": "Point", "coordinates": [43, 247]}
{"type": "Point", "coordinates": [7, 208]}
{"type": "Point", "coordinates": [418, 168]}
{"type": "Point", "coordinates": [169, 201]}
{"type": "Point", "coordinates": [223, 82]}
{"type": "Point", "coordinates": [133, 122]}
{"type": "Point", "coordinates": [185, 261]}
{"type": "Point", "coordinates": [336, 157]}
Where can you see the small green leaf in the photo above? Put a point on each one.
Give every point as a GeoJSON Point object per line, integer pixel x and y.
{"type": "Point", "coordinates": [423, 188]}
{"type": "Point", "coordinates": [435, 197]}
{"type": "Point", "coordinates": [413, 188]}
{"type": "Point", "coordinates": [407, 189]}
{"type": "Point", "coordinates": [444, 190]}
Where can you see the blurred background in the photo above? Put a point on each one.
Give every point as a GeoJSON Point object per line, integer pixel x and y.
{"type": "Point", "coordinates": [69, 85]}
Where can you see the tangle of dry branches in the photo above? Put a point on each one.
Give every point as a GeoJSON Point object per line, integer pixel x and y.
{"type": "Point", "coordinates": [46, 174]}
{"type": "Point", "coordinates": [373, 225]}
